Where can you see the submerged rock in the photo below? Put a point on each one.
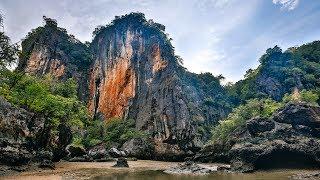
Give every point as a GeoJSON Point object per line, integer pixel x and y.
{"type": "Point", "coordinates": [121, 162]}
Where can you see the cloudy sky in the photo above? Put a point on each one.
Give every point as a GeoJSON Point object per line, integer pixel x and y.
{"type": "Point", "coordinates": [220, 36]}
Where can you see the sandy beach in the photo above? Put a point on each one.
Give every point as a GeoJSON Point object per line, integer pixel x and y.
{"type": "Point", "coordinates": [87, 170]}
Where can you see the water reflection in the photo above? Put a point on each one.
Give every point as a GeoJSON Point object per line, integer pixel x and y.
{"type": "Point", "coordinates": [159, 175]}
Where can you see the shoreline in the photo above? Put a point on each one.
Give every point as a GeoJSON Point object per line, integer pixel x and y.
{"type": "Point", "coordinates": [88, 170]}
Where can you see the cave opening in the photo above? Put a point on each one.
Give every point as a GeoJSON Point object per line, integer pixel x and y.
{"type": "Point", "coordinates": [286, 159]}
{"type": "Point", "coordinates": [97, 96]}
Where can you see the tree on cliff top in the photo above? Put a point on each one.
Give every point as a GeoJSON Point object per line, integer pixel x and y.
{"type": "Point", "coordinates": [58, 42]}
{"type": "Point", "coordinates": [8, 51]}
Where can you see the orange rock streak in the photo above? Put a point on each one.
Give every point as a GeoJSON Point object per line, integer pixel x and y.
{"type": "Point", "coordinates": [116, 90]}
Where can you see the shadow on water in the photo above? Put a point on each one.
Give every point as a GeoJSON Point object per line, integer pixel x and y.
{"type": "Point", "coordinates": [286, 159]}
{"type": "Point", "coordinates": [159, 175]}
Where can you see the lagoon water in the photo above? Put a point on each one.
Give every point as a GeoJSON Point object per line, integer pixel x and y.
{"type": "Point", "coordinates": [159, 175]}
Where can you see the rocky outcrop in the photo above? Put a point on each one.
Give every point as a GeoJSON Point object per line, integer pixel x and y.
{"type": "Point", "coordinates": [285, 141]}
{"type": "Point", "coordinates": [17, 128]}
{"type": "Point", "coordinates": [98, 152]}
{"type": "Point", "coordinates": [306, 176]}
{"type": "Point", "coordinates": [75, 151]}
{"type": "Point", "coordinates": [299, 114]}
{"type": "Point", "coordinates": [26, 138]}
{"type": "Point", "coordinates": [139, 148]}
{"type": "Point", "coordinates": [259, 125]}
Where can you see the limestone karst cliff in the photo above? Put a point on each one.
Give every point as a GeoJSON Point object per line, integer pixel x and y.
{"type": "Point", "coordinates": [133, 74]}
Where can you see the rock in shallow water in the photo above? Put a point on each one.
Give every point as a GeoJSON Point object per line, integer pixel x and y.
{"type": "Point", "coordinates": [121, 162]}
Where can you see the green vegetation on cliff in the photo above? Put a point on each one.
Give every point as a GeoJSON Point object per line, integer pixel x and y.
{"type": "Point", "coordinates": [114, 130]}
{"type": "Point", "coordinates": [138, 22]}
{"type": "Point", "coordinates": [239, 115]}
{"type": "Point", "coordinates": [263, 108]}
{"type": "Point", "coordinates": [282, 77]}
{"type": "Point", "coordinates": [279, 73]}
{"type": "Point", "coordinates": [48, 98]}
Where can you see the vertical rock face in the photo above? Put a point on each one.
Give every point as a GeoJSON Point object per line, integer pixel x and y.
{"type": "Point", "coordinates": [136, 75]}
{"type": "Point", "coordinates": [50, 50]}
{"type": "Point", "coordinates": [40, 63]}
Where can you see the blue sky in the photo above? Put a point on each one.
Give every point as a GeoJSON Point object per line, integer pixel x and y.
{"type": "Point", "coordinates": [218, 36]}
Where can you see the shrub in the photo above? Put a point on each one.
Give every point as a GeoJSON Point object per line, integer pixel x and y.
{"type": "Point", "coordinates": [55, 101]}
{"type": "Point", "coordinates": [303, 96]}
{"type": "Point", "coordinates": [114, 130]}
{"type": "Point", "coordinates": [239, 116]}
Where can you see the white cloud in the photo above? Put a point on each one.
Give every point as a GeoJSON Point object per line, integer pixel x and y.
{"type": "Point", "coordinates": [287, 4]}
{"type": "Point", "coordinates": [205, 5]}
{"type": "Point", "coordinates": [204, 61]}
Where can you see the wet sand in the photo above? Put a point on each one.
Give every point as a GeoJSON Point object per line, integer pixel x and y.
{"type": "Point", "coordinates": [87, 170]}
{"type": "Point", "coordinates": [140, 169]}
